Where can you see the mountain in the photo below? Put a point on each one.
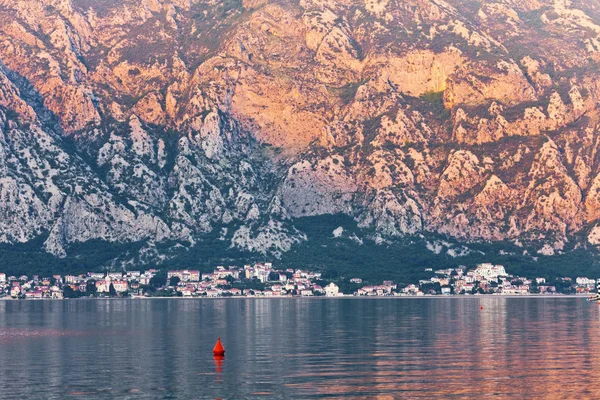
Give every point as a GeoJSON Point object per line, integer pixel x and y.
{"type": "Point", "coordinates": [152, 127]}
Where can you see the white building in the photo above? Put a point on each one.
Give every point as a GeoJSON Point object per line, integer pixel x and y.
{"type": "Point", "coordinates": [96, 275]}
{"type": "Point", "coordinates": [102, 286]}
{"type": "Point", "coordinates": [71, 279]}
{"type": "Point", "coordinates": [144, 280]}
{"type": "Point", "coordinates": [411, 289]}
{"type": "Point", "coordinates": [185, 275]}
{"type": "Point", "coordinates": [585, 282]}
{"type": "Point", "coordinates": [332, 290]}
{"type": "Point", "coordinates": [489, 271]}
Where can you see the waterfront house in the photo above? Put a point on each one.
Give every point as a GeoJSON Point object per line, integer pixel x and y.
{"type": "Point", "coordinates": [277, 289]}
{"type": "Point", "coordinates": [332, 290]}
{"type": "Point", "coordinates": [516, 290]}
{"type": "Point", "coordinates": [15, 290]}
{"type": "Point", "coordinates": [365, 290]}
{"type": "Point", "coordinates": [318, 289]}
{"type": "Point", "coordinates": [120, 286]}
{"type": "Point", "coordinates": [102, 286]}
{"type": "Point", "coordinates": [34, 294]}
{"type": "Point", "coordinates": [547, 289]}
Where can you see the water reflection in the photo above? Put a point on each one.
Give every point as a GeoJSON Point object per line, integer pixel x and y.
{"type": "Point", "coordinates": [297, 348]}
{"type": "Point", "coordinates": [219, 365]}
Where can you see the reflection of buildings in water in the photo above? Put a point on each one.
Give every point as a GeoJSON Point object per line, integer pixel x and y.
{"type": "Point", "coordinates": [262, 325]}
{"type": "Point", "coordinates": [541, 352]}
{"type": "Point", "coordinates": [511, 348]}
{"type": "Point", "coordinates": [188, 305]}
{"type": "Point", "coordinates": [389, 348]}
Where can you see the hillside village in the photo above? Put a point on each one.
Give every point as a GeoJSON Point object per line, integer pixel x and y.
{"type": "Point", "coordinates": [263, 280]}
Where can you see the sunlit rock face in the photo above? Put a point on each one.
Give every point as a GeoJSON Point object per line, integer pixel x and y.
{"type": "Point", "coordinates": [164, 121]}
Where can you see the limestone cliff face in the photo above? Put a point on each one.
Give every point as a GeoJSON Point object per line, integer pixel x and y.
{"type": "Point", "coordinates": [164, 121]}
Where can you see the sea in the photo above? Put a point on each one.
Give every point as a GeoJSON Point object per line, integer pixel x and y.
{"type": "Point", "coordinates": [296, 348]}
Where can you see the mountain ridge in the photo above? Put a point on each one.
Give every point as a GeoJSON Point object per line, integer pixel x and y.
{"type": "Point", "coordinates": [169, 121]}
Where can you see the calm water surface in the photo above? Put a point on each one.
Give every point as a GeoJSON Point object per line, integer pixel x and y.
{"type": "Point", "coordinates": [297, 348]}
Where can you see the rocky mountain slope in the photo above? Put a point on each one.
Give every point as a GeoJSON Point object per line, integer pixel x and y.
{"type": "Point", "coordinates": [163, 122]}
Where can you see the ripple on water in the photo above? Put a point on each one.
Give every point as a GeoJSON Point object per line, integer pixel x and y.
{"type": "Point", "coordinates": [516, 348]}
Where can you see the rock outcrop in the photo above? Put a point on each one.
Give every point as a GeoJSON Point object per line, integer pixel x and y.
{"type": "Point", "coordinates": [168, 121]}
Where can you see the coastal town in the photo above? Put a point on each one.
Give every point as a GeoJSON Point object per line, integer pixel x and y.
{"type": "Point", "coordinates": [264, 280]}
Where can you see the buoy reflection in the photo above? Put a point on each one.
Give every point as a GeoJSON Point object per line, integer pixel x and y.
{"type": "Point", "coordinates": [219, 363]}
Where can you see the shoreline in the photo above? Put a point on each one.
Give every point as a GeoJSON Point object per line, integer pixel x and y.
{"type": "Point", "coordinates": [347, 297]}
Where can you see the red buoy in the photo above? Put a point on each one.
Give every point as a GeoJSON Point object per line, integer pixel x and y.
{"type": "Point", "coordinates": [481, 307]}
{"type": "Point", "coordinates": [219, 350]}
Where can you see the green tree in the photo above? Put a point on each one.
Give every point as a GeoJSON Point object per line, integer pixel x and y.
{"type": "Point", "coordinates": [431, 287]}
{"type": "Point", "coordinates": [174, 281]}
{"type": "Point", "coordinates": [248, 284]}
{"type": "Point", "coordinates": [69, 293]}
{"type": "Point", "coordinates": [90, 287]}
{"type": "Point", "coordinates": [273, 276]}
{"type": "Point", "coordinates": [158, 281]}
{"type": "Point", "coordinates": [111, 291]}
